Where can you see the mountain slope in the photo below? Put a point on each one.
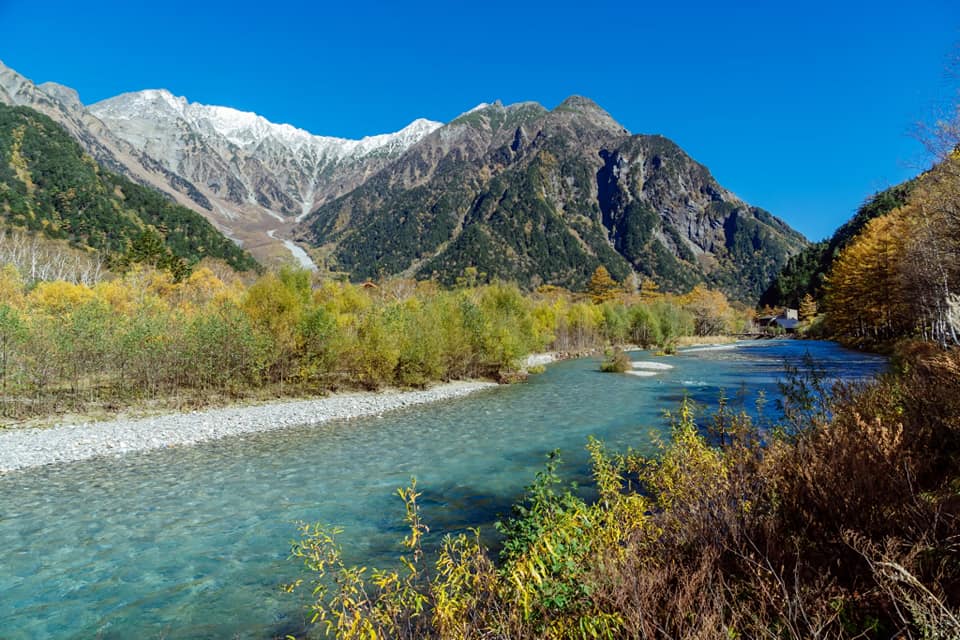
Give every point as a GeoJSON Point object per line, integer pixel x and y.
{"type": "Point", "coordinates": [542, 196]}
{"type": "Point", "coordinates": [48, 184]}
{"type": "Point", "coordinates": [259, 177]}
{"type": "Point", "coordinates": [241, 158]}
{"type": "Point", "coordinates": [250, 178]}
{"type": "Point", "coordinates": [63, 105]}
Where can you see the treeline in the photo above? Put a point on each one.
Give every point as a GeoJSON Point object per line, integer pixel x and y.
{"type": "Point", "coordinates": [840, 522]}
{"type": "Point", "coordinates": [147, 335]}
{"type": "Point", "coordinates": [900, 276]}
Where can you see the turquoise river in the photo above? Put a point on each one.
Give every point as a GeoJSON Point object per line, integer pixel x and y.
{"type": "Point", "coordinates": [193, 542]}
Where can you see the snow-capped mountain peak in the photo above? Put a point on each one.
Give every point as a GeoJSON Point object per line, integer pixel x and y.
{"type": "Point", "coordinates": [249, 130]}
{"type": "Point", "coordinates": [240, 159]}
{"type": "Point", "coordinates": [248, 176]}
{"type": "Point", "coordinates": [139, 104]}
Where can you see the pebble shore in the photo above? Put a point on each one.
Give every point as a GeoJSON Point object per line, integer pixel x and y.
{"type": "Point", "coordinates": [25, 448]}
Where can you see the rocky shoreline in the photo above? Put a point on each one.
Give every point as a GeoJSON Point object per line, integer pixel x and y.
{"type": "Point", "coordinates": [26, 448]}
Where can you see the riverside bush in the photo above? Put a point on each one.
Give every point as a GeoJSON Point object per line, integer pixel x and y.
{"type": "Point", "coordinates": [147, 336]}
{"type": "Point", "coordinates": [616, 362]}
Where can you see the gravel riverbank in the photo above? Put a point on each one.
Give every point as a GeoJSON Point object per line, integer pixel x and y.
{"type": "Point", "coordinates": [24, 448]}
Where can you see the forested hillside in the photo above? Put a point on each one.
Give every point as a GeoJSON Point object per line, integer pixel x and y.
{"type": "Point", "coordinates": [805, 273]}
{"type": "Point", "coordinates": [891, 272]}
{"type": "Point", "coordinates": [49, 185]}
{"type": "Point", "coordinates": [899, 276]}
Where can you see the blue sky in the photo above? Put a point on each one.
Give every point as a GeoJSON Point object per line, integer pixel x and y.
{"type": "Point", "coordinates": [803, 108]}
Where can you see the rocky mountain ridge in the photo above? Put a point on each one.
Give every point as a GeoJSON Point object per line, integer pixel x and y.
{"type": "Point", "coordinates": [543, 197]}
{"type": "Point", "coordinates": [241, 158]}
{"type": "Point", "coordinates": [49, 185]}
{"type": "Point", "coordinates": [521, 192]}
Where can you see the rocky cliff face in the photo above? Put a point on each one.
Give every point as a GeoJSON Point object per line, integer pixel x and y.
{"type": "Point", "coordinates": [543, 196]}
{"type": "Point", "coordinates": [62, 104]}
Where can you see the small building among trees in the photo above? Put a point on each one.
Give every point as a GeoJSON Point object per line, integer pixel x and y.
{"type": "Point", "coordinates": [788, 320]}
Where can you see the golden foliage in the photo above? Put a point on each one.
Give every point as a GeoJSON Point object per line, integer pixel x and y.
{"type": "Point", "coordinates": [59, 298]}
{"type": "Point", "coordinates": [649, 290]}
{"type": "Point", "coordinates": [211, 333]}
{"type": "Point", "coordinates": [864, 293]}
{"type": "Point", "coordinates": [11, 286]}
{"type": "Point", "coordinates": [808, 308]}
{"type": "Point", "coordinates": [712, 313]}
{"type": "Point", "coordinates": [602, 286]}
{"type": "Point", "coordinates": [900, 276]}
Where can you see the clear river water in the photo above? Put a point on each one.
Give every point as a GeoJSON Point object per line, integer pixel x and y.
{"type": "Point", "coordinates": [193, 542]}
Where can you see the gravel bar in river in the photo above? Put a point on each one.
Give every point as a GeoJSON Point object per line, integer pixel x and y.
{"type": "Point", "coordinates": [34, 447]}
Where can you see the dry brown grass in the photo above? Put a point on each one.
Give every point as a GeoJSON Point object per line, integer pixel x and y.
{"type": "Point", "coordinates": [848, 530]}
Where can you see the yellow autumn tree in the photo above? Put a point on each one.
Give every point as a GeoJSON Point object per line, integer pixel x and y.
{"type": "Point", "coordinates": [203, 287]}
{"type": "Point", "coordinates": [649, 290]}
{"type": "Point", "coordinates": [275, 310]}
{"type": "Point", "coordinates": [864, 295]}
{"type": "Point", "coordinates": [11, 286]}
{"type": "Point", "coordinates": [602, 286]}
{"type": "Point", "coordinates": [808, 308]}
{"type": "Point", "coordinates": [119, 296]}
{"type": "Point", "coordinates": [712, 313]}
{"type": "Point", "coordinates": [58, 297]}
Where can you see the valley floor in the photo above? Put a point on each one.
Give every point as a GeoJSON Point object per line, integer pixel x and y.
{"type": "Point", "coordinates": [34, 447]}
